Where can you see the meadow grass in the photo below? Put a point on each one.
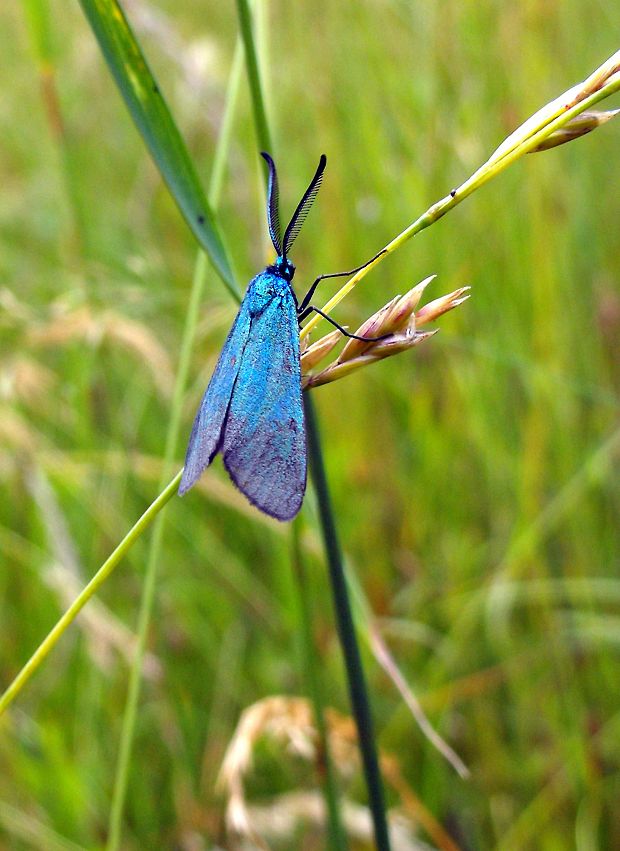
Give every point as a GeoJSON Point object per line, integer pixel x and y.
{"type": "Point", "coordinates": [473, 479]}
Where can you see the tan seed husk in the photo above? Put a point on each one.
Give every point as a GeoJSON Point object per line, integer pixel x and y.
{"type": "Point", "coordinates": [375, 326]}
{"type": "Point", "coordinates": [404, 308]}
{"type": "Point", "coordinates": [317, 351]}
{"type": "Point", "coordinates": [434, 309]}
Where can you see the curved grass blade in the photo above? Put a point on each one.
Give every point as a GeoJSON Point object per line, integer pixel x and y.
{"type": "Point", "coordinates": [154, 121]}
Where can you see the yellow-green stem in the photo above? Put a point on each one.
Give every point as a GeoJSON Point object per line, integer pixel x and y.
{"type": "Point", "coordinates": [52, 638]}
{"type": "Point", "coordinates": [493, 166]}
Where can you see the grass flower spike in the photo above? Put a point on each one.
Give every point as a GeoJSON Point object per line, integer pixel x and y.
{"type": "Point", "coordinates": [396, 323]}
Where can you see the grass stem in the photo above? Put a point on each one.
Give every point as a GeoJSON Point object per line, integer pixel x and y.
{"type": "Point", "coordinates": [358, 691]}
{"type": "Point", "coordinates": [261, 124]}
{"type": "Point", "coordinates": [346, 631]}
{"type": "Point", "coordinates": [337, 841]}
{"type": "Point", "coordinates": [497, 162]}
{"type": "Point", "coordinates": [52, 638]}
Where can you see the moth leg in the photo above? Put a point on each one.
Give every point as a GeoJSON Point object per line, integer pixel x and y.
{"type": "Point", "coordinates": [306, 299]}
{"type": "Point", "coordinates": [310, 309]}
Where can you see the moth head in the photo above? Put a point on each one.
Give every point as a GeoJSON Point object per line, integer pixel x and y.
{"type": "Point", "coordinates": [283, 268]}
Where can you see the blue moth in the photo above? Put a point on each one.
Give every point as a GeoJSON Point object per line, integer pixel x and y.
{"type": "Point", "coordinates": [252, 410]}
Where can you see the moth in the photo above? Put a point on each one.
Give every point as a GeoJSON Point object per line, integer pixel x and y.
{"type": "Point", "coordinates": [252, 410]}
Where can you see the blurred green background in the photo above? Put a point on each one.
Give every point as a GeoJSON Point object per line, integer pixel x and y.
{"type": "Point", "coordinates": [474, 479]}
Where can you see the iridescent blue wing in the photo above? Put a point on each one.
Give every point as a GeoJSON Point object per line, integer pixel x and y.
{"type": "Point", "coordinates": [206, 438]}
{"type": "Point", "coordinates": [264, 441]}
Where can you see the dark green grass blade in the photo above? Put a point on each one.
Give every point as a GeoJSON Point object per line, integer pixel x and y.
{"type": "Point", "coordinates": [154, 121]}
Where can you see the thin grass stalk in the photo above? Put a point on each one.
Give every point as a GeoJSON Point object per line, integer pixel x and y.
{"type": "Point", "coordinates": [337, 840]}
{"type": "Point", "coordinates": [346, 631]}
{"type": "Point", "coordinates": [358, 691]}
{"type": "Point", "coordinates": [128, 729]}
{"type": "Point", "coordinates": [335, 833]}
{"type": "Point", "coordinates": [261, 124]}
{"type": "Point", "coordinates": [497, 162]}
{"type": "Point", "coordinates": [52, 638]}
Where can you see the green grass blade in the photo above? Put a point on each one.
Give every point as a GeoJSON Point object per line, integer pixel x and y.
{"type": "Point", "coordinates": [154, 121]}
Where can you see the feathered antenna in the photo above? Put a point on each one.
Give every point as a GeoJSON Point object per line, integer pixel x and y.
{"type": "Point", "coordinates": [273, 197]}
{"type": "Point", "coordinates": [299, 216]}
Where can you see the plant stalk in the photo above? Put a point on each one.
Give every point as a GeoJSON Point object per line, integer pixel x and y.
{"type": "Point", "coordinates": [358, 691]}
{"type": "Point", "coordinates": [346, 631]}
{"type": "Point", "coordinates": [497, 162]}
{"type": "Point", "coordinates": [261, 124]}
{"type": "Point", "coordinates": [337, 840]}
{"type": "Point", "coordinates": [52, 638]}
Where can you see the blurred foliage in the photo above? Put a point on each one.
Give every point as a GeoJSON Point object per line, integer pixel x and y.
{"type": "Point", "coordinates": [475, 479]}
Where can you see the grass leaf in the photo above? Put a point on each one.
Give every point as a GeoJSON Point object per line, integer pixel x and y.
{"type": "Point", "coordinates": [154, 121]}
